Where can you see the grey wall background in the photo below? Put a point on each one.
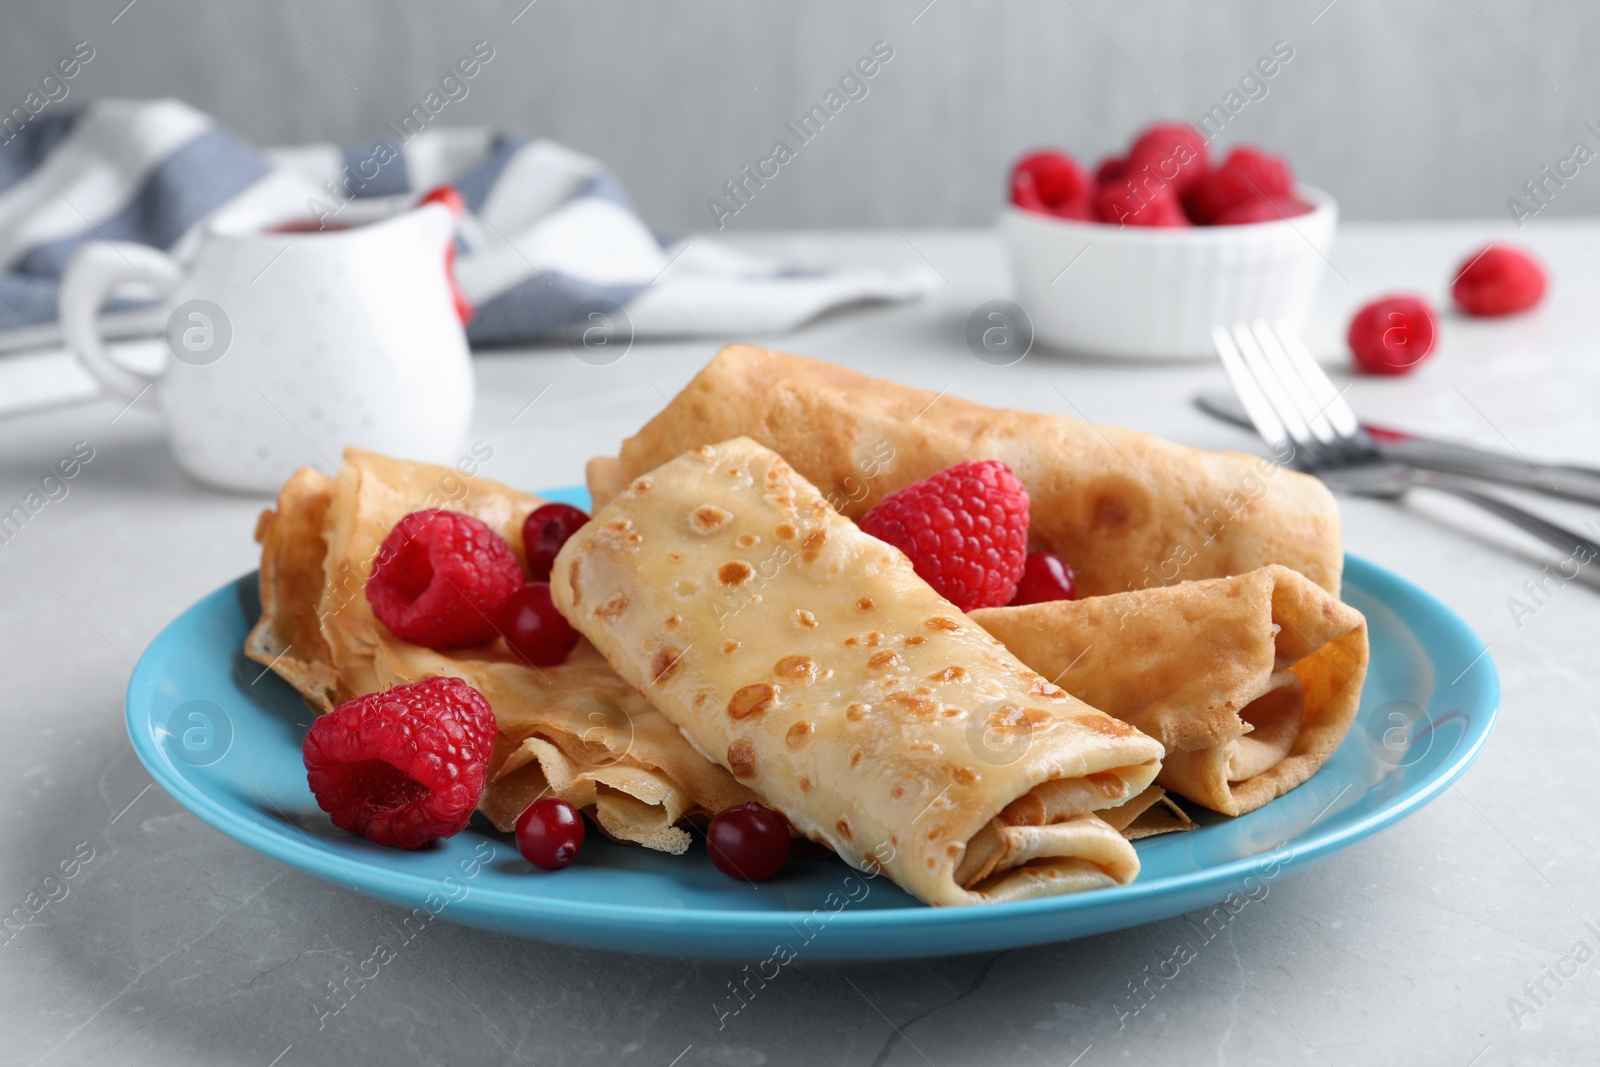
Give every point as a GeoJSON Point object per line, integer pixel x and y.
{"type": "Point", "coordinates": [1412, 110]}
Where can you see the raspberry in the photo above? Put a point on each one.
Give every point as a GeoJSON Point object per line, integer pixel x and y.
{"type": "Point", "coordinates": [1042, 181]}
{"type": "Point", "coordinates": [1498, 280]}
{"type": "Point", "coordinates": [1173, 152]}
{"type": "Point", "coordinates": [441, 579]}
{"type": "Point", "coordinates": [965, 530]}
{"type": "Point", "coordinates": [1275, 209]}
{"type": "Point", "coordinates": [1080, 210]}
{"type": "Point", "coordinates": [403, 767]}
{"type": "Point", "coordinates": [1110, 169]}
{"type": "Point", "coordinates": [1392, 335]}
{"type": "Point", "coordinates": [1247, 174]}
{"type": "Point", "coordinates": [1147, 204]}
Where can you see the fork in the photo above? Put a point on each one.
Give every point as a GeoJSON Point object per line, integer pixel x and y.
{"type": "Point", "coordinates": [1297, 410]}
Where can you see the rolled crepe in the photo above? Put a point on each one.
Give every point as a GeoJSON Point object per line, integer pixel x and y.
{"type": "Point", "coordinates": [1249, 682]}
{"type": "Point", "coordinates": [576, 731]}
{"type": "Point", "coordinates": [811, 661]}
{"type": "Point", "coordinates": [1126, 509]}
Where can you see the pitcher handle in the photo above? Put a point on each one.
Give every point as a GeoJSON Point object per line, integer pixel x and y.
{"type": "Point", "coordinates": [93, 271]}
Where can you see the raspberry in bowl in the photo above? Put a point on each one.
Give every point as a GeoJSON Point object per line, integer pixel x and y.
{"type": "Point", "coordinates": [1180, 239]}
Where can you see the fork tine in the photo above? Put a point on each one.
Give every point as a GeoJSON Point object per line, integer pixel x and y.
{"type": "Point", "coordinates": [1310, 408]}
{"type": "Point", "coordinates": [1333, 403]}
{"type": "Point", "coordinates": [1255, 402]}
{"type": "Point", "coordinates": [1261, 370]}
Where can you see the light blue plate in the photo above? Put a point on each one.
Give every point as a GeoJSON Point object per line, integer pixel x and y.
{"type": "Point", "coordinates": [224, 739]}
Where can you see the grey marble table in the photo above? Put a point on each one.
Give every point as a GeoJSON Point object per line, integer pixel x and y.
{"type": "Point", "coordinates": [1461, 936]}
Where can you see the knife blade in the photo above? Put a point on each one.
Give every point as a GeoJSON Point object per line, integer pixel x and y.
{"type": "Point", "coordinates": [1570, 481]}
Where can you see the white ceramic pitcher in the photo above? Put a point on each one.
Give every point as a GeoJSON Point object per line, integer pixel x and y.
{"type": "Point", "coordinates": [286, 347]}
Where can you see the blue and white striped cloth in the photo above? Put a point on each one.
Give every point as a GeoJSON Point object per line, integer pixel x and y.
{"type": "Point", "coordinates": [547, 229]}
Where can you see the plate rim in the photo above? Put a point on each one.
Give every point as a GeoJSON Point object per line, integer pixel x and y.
{"type": "Point", "coordinates": [388, 884]}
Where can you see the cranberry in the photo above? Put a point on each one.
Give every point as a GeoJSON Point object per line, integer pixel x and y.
{"type": "Point", "coordinates": [549, 833]}
{"type": "Point", "coordinates": [1044, 577]}
{"type": "Point", "coordinates": [544, 531]}
{"type": "Point", "coordinates": [534, 628]}
{"type": "Point", "coordinates": [1392, 335]}
{"type": "Point", "coordinates": [749, 841]}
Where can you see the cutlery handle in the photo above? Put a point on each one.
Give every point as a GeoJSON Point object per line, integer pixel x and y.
{"type": "Point", "coordinates": [1551, 533]}
{"type": "Point", "coordinates": [1551, 479]}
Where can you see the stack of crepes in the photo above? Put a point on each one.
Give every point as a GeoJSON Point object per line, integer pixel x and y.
{"type": "Point", "coordinates": [1245, 684]}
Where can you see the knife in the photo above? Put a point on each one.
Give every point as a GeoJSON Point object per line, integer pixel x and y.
{"type": "Point", "coordinates": [1570, 481]}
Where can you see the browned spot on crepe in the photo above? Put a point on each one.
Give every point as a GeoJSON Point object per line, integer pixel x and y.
{"type": "Point", "coordinates": [798, 735]}
{"type": "Point", "coordinates": [1104, 724]}
{"type": "Point", "coordinates": [708, 519]}
{"type": "Point", "coordinates": [742, 759]}
{"type": "Point", "coordinates": [753, 700]}
{"type": "Point", "coordinates": [795, 668]}
{"type": "Point", "coordinates": [665, 665]}
{"type": "Point", "coordinates": [1110, 514]}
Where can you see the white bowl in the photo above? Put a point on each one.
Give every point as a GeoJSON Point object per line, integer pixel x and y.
{"type": "Point", "coordinates": [1158, 293]}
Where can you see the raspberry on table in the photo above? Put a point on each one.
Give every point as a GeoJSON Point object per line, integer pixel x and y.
{"type": "Point", "coordinates": [403, 767]}
{"type": "Point", "coordinates": [965, 530]}
{"type": "Point", "coordinates": [1393, 334]}
{"type": "Point", "coordinates": [441, 580]}
{"type": "Point", "coordinates": [1247, 174]}
{"type": "Point", "coordinates": [1498, 280]}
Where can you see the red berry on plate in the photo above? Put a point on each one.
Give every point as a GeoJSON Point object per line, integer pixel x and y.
{"type": "Point", "coordinates": [749, 841]}
{"type": "Point", "coordinates": [544, 531]}
{"type": "Point", "coordinates": [965, 530]}
{"type": "Point", "coordinates": [1052, 177]}
{"type": "Point", "coordinates": [1498, 280]}
{"type": "Point", "coordinates": [1274, 209]}
{"type": "Point", "coordinates": [1171, 152]}
{"type": "Point", "coordinates": [549, 833]}
{"type": "Point", "coordinates": [403, 767]}
{"type": "Point", "coordinates": [441, 579]}
{"type": "Point", "coordinates": [1247, 174]}
{"type": "Point", "coordinates": [1392, 335]}
{"type": "Point", "coordinates": [1131, 203]}
{"type": "Point", "coordinates": [534, 629]}
{"type": "Point", "coordinates": [1044, 577]}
